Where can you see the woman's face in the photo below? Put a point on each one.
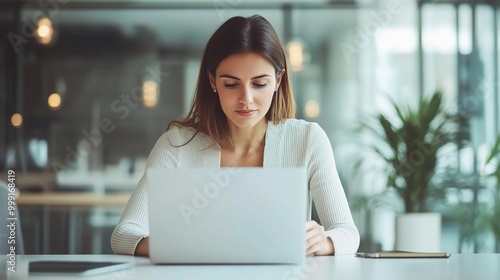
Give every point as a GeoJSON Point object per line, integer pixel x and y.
{"type": "Point", "coordinates": [245, 84]}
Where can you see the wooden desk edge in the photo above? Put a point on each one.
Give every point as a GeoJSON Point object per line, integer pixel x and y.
{"type": "Point", "coordinates": [72, 199]}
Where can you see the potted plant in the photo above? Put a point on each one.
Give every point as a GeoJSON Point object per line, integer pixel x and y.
{"type": "Point", "coordinates": [409, 145]}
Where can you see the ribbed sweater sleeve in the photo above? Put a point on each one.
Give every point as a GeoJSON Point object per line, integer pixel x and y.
{"type": "Point", "coordinates": [134, 222]}
{"type": "Point", "coordinates": [328, 194]}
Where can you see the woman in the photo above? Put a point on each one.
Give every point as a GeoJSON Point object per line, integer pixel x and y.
{"type": "Point", "coordinates": [242, 115]}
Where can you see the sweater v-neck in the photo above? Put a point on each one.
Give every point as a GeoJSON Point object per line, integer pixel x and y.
{"type": "Point", "coordinates": [269, 145]}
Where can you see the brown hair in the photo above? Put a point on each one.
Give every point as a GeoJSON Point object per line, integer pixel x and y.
{"type": "Point", "coordinates": [237, 35]}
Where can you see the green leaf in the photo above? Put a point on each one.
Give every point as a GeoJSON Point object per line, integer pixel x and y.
{"type": "Point", "coordinates": [357, 165]}
{"type": "Point", "coordinates": [390, 134]}
{"type": "Point", "coordinates": [396, 108]}
{"type": "Point", "coordinates": [430, 111]}
{"type": "Point", "coordinates": [381, 154]}
{"type": "Point", "coordinates": [495, 151]}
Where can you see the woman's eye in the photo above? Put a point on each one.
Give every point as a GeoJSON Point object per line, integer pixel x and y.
{"type": "Point", "coordinates": [230, 85]}
{"type": "Point", "coordinates": [260, 85]}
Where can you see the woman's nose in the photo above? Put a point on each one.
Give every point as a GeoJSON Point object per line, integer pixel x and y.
{"type": "Point", "coordinates": [246, 96]}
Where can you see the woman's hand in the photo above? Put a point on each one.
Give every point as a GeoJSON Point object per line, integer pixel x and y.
{"type": "Point", "coordinates": [142, 248]}
{"type": "Point", "coordinates": [317, 241]}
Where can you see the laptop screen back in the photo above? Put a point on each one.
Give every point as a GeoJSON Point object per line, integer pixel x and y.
{"type": "Point", "coordinates": [227, 215]}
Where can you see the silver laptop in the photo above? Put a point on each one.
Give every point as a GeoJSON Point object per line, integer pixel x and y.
{"type": "Point", "coordinates": [227, 215]}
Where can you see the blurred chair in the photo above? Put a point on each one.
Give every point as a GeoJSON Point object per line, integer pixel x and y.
{"type": "Point", "coordinates": [5, 231]}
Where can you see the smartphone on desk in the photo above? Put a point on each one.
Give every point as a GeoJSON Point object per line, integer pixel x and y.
{"type": "Point", "coordinates": [402, 254]}
{"type": "Point", "coordinates": [80, 268]}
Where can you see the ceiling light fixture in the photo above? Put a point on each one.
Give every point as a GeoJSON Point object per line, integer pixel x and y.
{"type": "Point", "coordinates": [44, 31]}
{"type": "Point", "coordinates": [16, 120]}
{"type": "Point", "coordinates": [54, 100]}
{"type": "Point", "coordinates": [312, 109]}
{"type": "Point", "coordinates": [295, 51]}
{"type": "Point", "coordinates": [149, 93]}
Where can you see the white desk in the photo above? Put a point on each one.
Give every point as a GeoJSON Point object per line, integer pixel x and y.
{"type": "Point", "coordinates": [457, 267]}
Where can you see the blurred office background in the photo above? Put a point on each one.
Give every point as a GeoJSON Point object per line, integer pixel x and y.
{"type": "Point", "coordinates": [87, 87]}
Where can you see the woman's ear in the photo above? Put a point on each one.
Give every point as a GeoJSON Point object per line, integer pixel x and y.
{"type": "Point", "coordinates": [211, 79]}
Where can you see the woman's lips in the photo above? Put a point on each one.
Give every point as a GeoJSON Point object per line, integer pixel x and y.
{"type": "Point", "coordinates": [245, 113]}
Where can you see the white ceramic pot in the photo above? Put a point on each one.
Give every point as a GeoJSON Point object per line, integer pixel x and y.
{"type": "Point", "coordinates": [419, 232]}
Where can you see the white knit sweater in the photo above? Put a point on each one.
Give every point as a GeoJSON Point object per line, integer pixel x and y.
{"type": "Point", "coordinates": [293, 143]}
